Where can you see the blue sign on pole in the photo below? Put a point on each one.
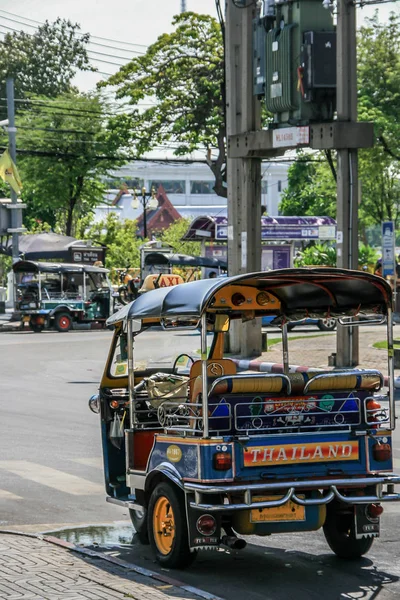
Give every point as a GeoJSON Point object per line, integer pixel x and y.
{"type": "Point", "coordinates": [388, 256]}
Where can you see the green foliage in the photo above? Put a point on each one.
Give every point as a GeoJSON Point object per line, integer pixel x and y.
{"type": "Point", "coordinates": [325, 255]}
{"type": "Point", "coordinates": [173, 236]}
{"type": "Point", "coordinates": [65, 155]}
{"type": "Point", "coordinates": [46, 61]}
{"type": "Point", "coordinates": [318, 254]}
{"type": "Point", "coordinates": [311, 188]}
{"type": "Point", "coordinates": [5, 267]}
{"type": "Point", "coordinates": [120, 240]}
{"type": "Point", "coordinates": [366, 256]}
{"type": "Point", "coordinates": [182, 75]}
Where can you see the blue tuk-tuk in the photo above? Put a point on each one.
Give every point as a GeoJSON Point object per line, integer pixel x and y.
{"type": "Point", "coordinates": [201, 454]}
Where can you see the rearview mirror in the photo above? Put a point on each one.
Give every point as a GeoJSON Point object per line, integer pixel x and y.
{"type": "Point", "coordinates": [222, 323]}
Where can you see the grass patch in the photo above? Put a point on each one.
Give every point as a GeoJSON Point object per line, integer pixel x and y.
{"type": "Point", "coordinates": [383, 345]}
{"type": "Point", "coordinates": [273, 341]}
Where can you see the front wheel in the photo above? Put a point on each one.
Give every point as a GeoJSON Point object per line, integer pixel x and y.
{"type": "Point", "coordinates": [139, 521]}
{"type": "Point", "coordinates": [168, 532]}
{"type": "Point", "coordinates": [327, 324]}
{"type": "Point", "coordinates": [63, 322]}
{"type": "Point", "coordinates": [339, 531]}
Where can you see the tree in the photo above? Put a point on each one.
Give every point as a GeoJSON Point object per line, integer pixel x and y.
{"type": "Point", "coordinates": [311, 188]}
{"type": "Point", "coordinates": [46, 61]}
{"type": "Point", "coordinates": [65, 148]}
{"type": "Point", "coordinates": [181, 79]}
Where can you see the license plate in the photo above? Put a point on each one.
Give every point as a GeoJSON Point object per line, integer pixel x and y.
{"type": "Point", "coordinates": [287, 512]}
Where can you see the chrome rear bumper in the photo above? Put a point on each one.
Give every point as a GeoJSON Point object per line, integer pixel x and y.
{"type": "Point", "coordinates": [289, 490]}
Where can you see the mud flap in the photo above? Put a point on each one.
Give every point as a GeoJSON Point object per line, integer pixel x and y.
{"type": "Point", "coordinates": [365, 525]}
{"type": "Point", "coordinates": [196, 539]}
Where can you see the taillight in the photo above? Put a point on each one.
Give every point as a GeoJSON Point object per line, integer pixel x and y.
{"type": "Point", "coordinates": [373, 411]}
{"type": "Point", "coordinates": [222, 461]}
{"type": "Point", "coordinates": [381, 452]}
{"type": "Point", "coordinates": [375, 510]}
{"type": "Point", "coordinates": [206, 525]}
{"type": "Point", "coordinates": [114, 404]}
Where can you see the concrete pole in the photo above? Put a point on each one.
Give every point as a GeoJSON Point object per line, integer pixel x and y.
{"type": "Point", "coordinates": [347, 354]}
{"type": "Point", "coordinates": [12, 144]}
{"type": "Point", "coordinates": [244, 175]}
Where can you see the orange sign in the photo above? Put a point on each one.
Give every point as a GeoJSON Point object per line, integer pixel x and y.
{"type": "Point", "coordinates": [258, 456]}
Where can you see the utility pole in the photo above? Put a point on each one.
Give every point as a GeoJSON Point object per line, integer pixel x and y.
{"type": "Point", "coordinates": [347, 352]}
{"type": "Point", "coordinates": [244, 174]}
{"type": "Point", "coordinates": [183, 6]}
{"type": "Point", "coordinates": [16, 216]}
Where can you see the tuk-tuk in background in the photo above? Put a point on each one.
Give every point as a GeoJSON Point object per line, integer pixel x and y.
{"type": "Point", "coordinates": [201, 454]}
{"type": "Point", "coordinates": [62, 296]}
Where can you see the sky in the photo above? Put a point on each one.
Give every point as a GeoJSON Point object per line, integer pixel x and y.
{"type": "Point", "coordinates": [132, 21]}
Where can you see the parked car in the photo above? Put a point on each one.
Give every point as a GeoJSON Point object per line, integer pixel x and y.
{"type": "Point", "coordinates": [328, 324]}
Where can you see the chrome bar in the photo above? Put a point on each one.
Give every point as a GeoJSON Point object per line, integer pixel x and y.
{"type": "Point", "coordinates": [392, 406]}
{"type": "Point", "coordinates": [285, 348]}
{"type": "Point", "coordinates": [204, 374]}
{"type": "Point", "coordinates": [341, 375]}
{"type": "Point", "coordinates": [354, 482]}
{"type": "Point", "coordinates": [131, 374]}
{"type": "Point", "coordinates": [124, 503]}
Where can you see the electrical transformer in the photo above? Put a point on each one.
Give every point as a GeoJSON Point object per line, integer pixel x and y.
{"type": "Point", "coordinates": [298, 75]}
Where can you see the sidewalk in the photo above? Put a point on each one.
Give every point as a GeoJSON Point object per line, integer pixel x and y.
{"type": "Point", "coordinates": [45, 568]}
{"type": "Point", "coordinates": [6, 324]}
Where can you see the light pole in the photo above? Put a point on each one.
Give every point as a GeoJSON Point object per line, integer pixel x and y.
{"type": "Point", "coordinates": [147, 200]}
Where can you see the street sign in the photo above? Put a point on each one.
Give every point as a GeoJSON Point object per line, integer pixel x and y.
{"type": "Point", "coordinates": [388, 255]}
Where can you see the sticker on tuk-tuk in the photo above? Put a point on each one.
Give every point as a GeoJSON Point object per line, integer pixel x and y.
{"type": "Point", "coordinates": [121, 368]}
{"type": "Point", "coordinates": [174, 453]}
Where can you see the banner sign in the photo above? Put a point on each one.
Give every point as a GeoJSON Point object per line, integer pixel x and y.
{"type": "Point", "coordinates": [286, 232]}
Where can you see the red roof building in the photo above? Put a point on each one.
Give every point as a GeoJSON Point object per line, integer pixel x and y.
{"type": "Point", "coordinates": [160, 218]}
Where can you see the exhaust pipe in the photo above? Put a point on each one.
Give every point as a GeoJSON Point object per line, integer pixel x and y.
{"type": "Point", "coordinates": [233, 542]}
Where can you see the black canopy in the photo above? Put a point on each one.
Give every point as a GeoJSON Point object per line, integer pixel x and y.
{"type": "Point", "coordinates": [184, 260]}
{"type": "Point", "coordinates": [301, 292]}
{"type": "Point", "coordinates": [29, 266]}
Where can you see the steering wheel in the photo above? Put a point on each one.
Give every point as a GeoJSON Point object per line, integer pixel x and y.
{"type": "Point", "coordinates": [177, 359]}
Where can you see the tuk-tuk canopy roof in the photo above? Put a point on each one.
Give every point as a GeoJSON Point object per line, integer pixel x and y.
{"type": "Point", "coordinates": [184, 260]}
{"type": "Point", "coordinates": [30, 266]}
{"type": "Point", "coordinates": [314, 291]}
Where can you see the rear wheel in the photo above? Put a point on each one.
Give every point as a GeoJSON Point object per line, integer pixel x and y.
{"type": "Point", "coordinates": [63, 322]}
{"type": "Point", "coordinates": [327, 324]}
{"type": "Point", "coordinates": [139, 521]}
{"type": "Point", "coordinates": [36, 327]}
{"type": "Point", "coordinates": [339, 530]}
{"type": "Point", "coordinates": [168, 532]}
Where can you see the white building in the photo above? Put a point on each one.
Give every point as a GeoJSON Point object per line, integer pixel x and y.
{"type": "Point", "coordinates": [188, 187]}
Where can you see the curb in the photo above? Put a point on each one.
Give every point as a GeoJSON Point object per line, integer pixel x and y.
{"type": "Point", "coordinates": [116, 561]}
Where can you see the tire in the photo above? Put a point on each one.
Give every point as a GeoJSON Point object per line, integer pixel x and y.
{"type": "Point", "coordinates": [123, 295]}
{"type": "Point", "coordinates": [139, 521]}
{"type": "Point", "coordinates": [327, 324]}
{"type": "Point", "coordinates": [62, 322]}
{"type": "Point", "coordinates": [168, 532]}
{"type": "Point", "coordinates": [36, 327]}
{"type": "Point", "coordinates": [339, 530]}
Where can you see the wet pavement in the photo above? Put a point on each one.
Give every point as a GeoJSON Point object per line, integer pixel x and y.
{"type": "Point", "coordinates": [284, 567]}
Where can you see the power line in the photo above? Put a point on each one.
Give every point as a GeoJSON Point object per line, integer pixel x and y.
{"type": "Point", "coordinates": [91, 36]}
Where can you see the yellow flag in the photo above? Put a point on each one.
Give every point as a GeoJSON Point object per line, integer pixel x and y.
{"type": "Point", "coordinates": [9, 172]}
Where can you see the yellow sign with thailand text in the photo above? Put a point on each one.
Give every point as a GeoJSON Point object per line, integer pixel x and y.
{"type": "Point", "coordinates": [289, 454]}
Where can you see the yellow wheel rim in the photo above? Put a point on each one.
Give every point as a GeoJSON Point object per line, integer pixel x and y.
{"type": "Point", "coordinates": [163, 525]}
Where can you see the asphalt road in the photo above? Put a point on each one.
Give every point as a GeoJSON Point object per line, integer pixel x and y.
{"type": "Point", "coordinates": [51, 477]}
